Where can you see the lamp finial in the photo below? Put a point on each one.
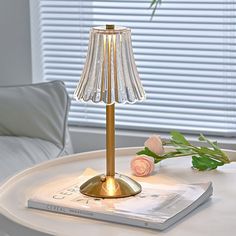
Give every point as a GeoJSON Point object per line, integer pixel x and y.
{"type": "Point", "coordinates": [110, 27]}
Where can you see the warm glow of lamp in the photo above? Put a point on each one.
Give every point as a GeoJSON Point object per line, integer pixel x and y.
{"type": "Point", "coordinates": [110, 186]}
{"type": "Point", "coordinates": [110, 76]}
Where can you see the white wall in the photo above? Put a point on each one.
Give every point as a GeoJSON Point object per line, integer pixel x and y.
{"type": "Point", "coordinates": [89, 139]}
{"type": "Point", "coordinates": [15, 48]}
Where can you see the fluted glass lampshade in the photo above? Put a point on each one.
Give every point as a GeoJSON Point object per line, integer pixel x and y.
{"type": "Point", "coordinates": [110, 74]}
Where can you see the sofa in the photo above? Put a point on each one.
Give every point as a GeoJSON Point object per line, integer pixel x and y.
{"type": "Point", "coordinates": [33, 125]}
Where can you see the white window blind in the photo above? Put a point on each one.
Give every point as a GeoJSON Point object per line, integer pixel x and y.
{"type": "Point", "coordinates": [186, 58]}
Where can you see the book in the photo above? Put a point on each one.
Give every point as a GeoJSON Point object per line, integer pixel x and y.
{"type": "Point", "coordinates": [157, 207]}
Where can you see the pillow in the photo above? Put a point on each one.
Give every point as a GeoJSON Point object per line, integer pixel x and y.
{"type": "Point", "coordinates": [36, 111]}
{"type": "Point", "coordinates": [19, 153]}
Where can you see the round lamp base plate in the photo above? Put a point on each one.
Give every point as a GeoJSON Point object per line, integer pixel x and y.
{"type": "Point", "coordinates": [118, 186]}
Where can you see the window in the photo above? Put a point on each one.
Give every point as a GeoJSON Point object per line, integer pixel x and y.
{"type": "Point", "coordinates": [186, 58]}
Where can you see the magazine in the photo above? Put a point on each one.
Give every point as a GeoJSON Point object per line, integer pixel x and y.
{"type": "Point", "coordinates": [157, 207]}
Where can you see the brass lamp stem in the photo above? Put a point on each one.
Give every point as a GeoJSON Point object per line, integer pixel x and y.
{"type": "Point", "coordinates": [110, 120]}
{"type": "Point", "coordinates": [110, 139]}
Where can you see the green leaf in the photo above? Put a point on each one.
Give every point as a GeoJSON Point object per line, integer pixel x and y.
{"type": "Point", "coordinates": [148, 152]}
{"type": "Point", "coordinates": [201, 138]}
{"type": "Point", "coordinates": [184, 150]}
{"type": "Point", "coordinates": [215, 146]}
{"type": "Point", "coordinates": [178, 138]}
{"type": "Point", "coordinates": [212, 152]}
{"type": "Point", "coordinates": [142, 152]}
{"type": "Point", "coordinates": [152, 3]}
{"type": "Point", "coordinates": [205, 163]}
{"type": "Point", "coordinates": [171, 154]}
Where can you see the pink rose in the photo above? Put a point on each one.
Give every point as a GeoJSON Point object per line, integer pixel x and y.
{"type": "Point", "coordinates": [154, 144]}
{"type": "Point", "coordinates": [142, 165]}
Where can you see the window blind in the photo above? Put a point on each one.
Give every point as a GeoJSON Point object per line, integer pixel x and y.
{"type": "Point", "coordinates": [186, 58]}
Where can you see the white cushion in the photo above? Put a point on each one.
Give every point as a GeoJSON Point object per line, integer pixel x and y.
{"type": "Point", "coordinates": [36, 111]}
{"type": "Point", "coordinates": [33, 125]}
{"type": "Point", "coordinates": [18, 153]}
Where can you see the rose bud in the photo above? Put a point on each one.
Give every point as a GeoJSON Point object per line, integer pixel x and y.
{"type": "Point", "coordinates": [142, 165]}
{"type": "Point", "coordinates": [154, 144]}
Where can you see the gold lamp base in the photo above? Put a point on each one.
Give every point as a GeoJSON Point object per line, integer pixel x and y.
{"type": "Point", "coordinates": [118, 186]}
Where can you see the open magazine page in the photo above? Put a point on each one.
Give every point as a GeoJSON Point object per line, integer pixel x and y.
{"type": "Point", "coordinates": [156, 202]}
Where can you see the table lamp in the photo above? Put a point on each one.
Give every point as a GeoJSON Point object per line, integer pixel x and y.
{"type": "Point", "coordinates": [110, 76]}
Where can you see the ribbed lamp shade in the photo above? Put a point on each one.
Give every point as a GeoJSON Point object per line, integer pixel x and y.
{"type": "Point", "coordinates": [110, 74]}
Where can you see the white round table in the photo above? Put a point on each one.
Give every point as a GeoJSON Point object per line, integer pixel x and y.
{"type": "Point", "coordinates": [216, 217]}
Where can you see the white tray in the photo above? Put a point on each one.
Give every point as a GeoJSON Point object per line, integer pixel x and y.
{"type": "Point", "coordinates": [216, 217]}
